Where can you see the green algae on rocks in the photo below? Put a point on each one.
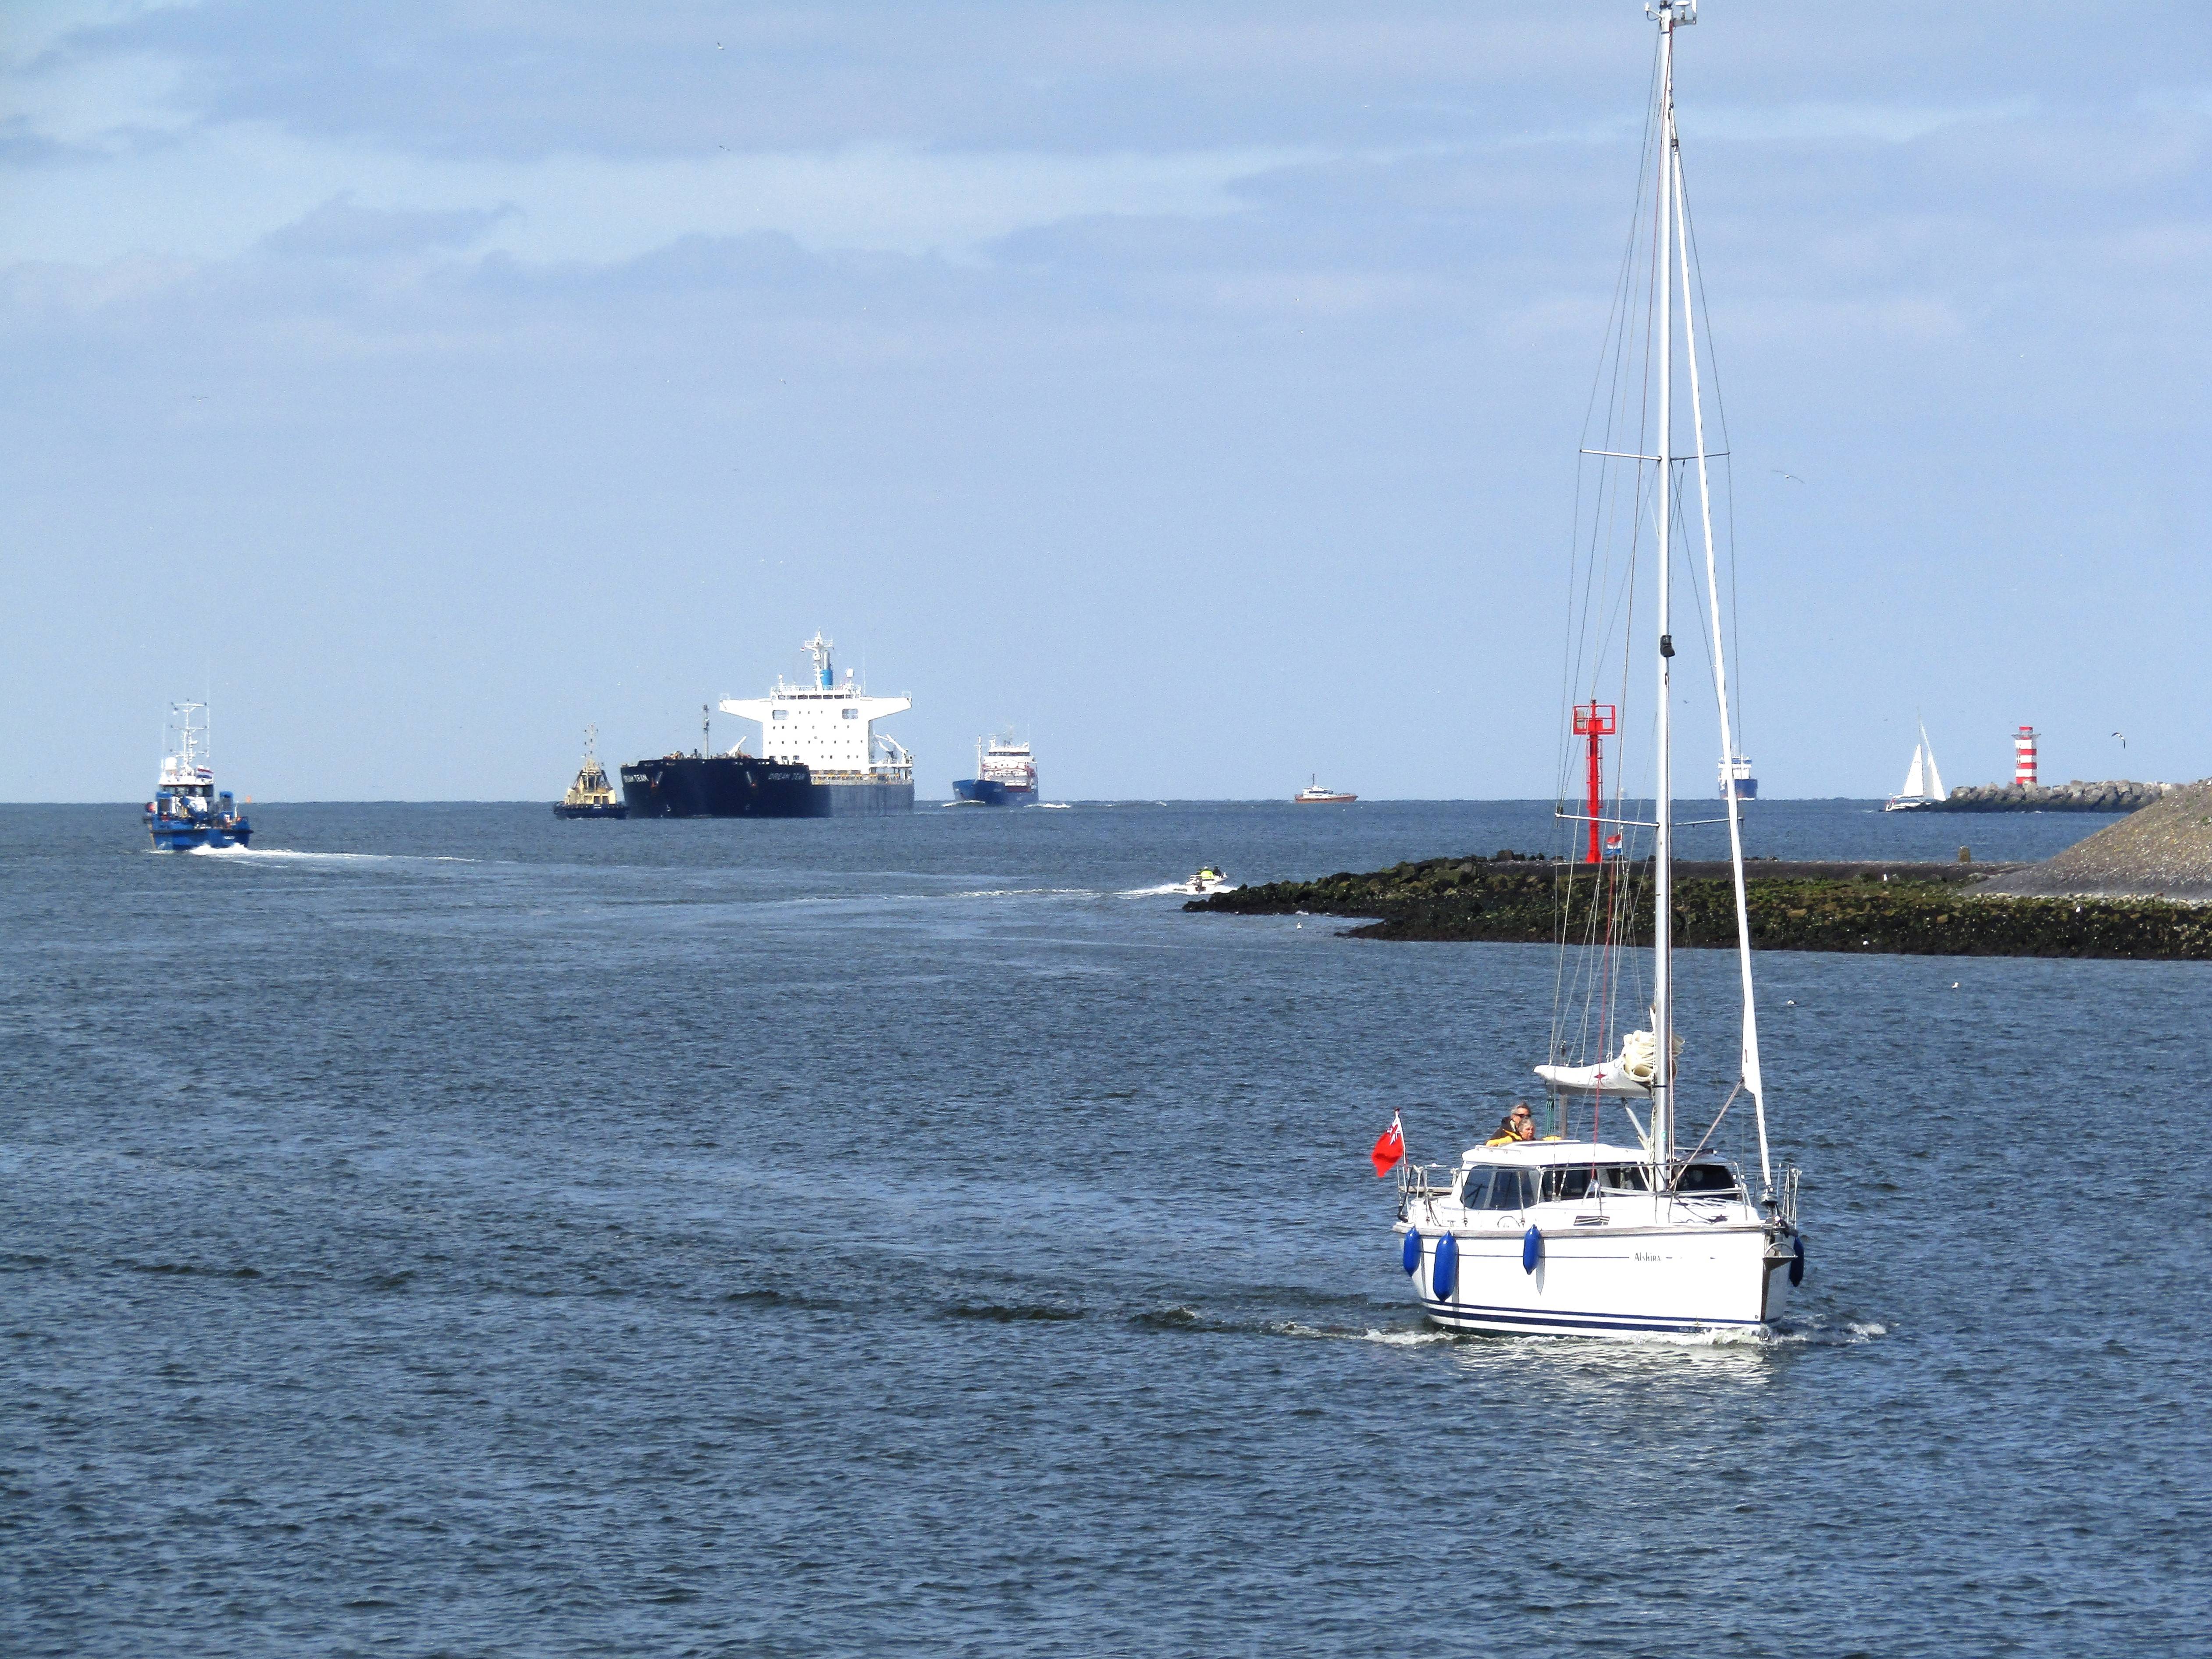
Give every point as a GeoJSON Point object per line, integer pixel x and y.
{"type": "Point", "coordinates": [1918, 909]}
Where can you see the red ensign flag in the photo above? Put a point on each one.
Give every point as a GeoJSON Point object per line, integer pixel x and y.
{"type": "Point", "coordinates": [1389, 1149]}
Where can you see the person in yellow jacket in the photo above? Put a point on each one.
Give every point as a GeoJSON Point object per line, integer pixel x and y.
{"type": "Point", "coordinates": [1517, 1125]}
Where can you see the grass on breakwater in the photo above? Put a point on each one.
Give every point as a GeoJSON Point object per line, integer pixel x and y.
{"type": "Point", "coordinates": [1919, 910]}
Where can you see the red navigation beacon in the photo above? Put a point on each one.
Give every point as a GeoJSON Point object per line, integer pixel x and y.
{"type": "Point", "coordinates": [1595, 721]}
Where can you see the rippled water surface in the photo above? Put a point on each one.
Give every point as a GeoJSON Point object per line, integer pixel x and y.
{"type": "Point", "coordinates": [444, 1230]}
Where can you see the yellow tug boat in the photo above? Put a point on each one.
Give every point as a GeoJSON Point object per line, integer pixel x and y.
{"type": "Point", "coordinates": [590, 796]}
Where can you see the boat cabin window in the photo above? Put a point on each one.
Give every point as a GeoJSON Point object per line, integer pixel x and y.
{"type": "Point", "coordinates": [1489, 1187]}
{"type": "Point", "coordinates": [1706, 1178]}
{"type": "Point", "coordinates": [1566, 1186]}
{"type": "Point", "coordinates": [1496, 1187]}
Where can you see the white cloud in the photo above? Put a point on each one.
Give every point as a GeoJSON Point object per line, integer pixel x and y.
{"type": "Point", "coordinates": [1893, 124]}
{"type": "Point", "coordinates": [217, 192]}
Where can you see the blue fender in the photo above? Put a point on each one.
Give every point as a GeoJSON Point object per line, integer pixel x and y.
{"type": "Point", "coordinates": [1532, 1250]}
{"type": "Point", "coordinates": [1797, 1261]}
{"type": "Point", "coordinates": [1442, 1276]}
{"type": "Point", "coordinates": [1410, 1257]}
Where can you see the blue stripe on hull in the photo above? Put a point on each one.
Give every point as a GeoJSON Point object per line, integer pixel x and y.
{"type": "Point", "coordinates": [1458, 1316]}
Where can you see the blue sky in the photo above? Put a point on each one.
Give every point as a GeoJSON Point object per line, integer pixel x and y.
{"type": "Point", "coordinates": [1197, 387]}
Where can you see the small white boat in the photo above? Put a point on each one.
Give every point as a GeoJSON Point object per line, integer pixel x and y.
{"type": "Point", "coordinates": [1924, 784]}
{"type": "Point", "coordinates": [1316, 794]}
{"type": "Point", "coordinates": [1207, 879]}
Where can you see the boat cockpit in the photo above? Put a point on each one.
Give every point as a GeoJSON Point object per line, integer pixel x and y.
{"type": "Point", "coordinates": [1520, 1184]}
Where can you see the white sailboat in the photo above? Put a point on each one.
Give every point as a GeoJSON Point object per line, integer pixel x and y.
{"type": "Point", "coordinates": [1573, 1233]}
{"type": "Point", "coordinates": [1924, 784]}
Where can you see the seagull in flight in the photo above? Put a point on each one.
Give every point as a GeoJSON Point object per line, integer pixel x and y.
{"type": "Point", "coordinates": [1779, 473]}
{"type": "Point", "coordinates": [2123, 737]}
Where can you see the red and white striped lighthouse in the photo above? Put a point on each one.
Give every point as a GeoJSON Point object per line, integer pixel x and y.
{"type": "Point", "coordinates": [2023, 756]}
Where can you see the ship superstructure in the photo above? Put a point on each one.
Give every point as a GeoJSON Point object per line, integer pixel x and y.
{"type": "Point", "coordinates": [821, 756]}
{"type": "Point", "coordinates": [1006, 774]}
{"type": "Point", "coordinates": [828, 726]}
{"type": "Point", "coordinates": [187, 811]}
{"type": "Point", "coordinates": [1736, 774]}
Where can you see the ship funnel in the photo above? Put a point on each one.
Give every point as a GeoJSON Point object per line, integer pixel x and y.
{"type": "Point", "coordinates": [825, 678]}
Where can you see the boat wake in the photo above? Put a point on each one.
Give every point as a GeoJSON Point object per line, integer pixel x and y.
{"type": "Point", "coordinates": [1812, 1334]}
{"type": "Point", "coordinates": [1025, 892]}
{"type": "Point", "coordinates": [1177, 889]}
{"type": "Point", "coordinates": [280, 854]}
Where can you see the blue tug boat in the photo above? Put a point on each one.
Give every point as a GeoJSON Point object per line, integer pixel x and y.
{"type": "Point", "coordinates": [187, 812]}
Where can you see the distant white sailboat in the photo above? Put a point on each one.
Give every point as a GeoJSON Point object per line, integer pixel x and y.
{"type": "Point", "coordinates": [1924, 784]}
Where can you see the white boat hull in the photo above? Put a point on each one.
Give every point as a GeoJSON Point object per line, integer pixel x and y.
{"type": "Point", "coordinates": [1615, 1280]}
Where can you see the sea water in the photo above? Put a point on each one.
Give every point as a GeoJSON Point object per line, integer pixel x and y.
{"type": "Point", "coordinates": [444, 1230]}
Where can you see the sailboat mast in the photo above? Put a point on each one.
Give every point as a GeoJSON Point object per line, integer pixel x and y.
{"type": "Point", "coordinates": [1662, 920]}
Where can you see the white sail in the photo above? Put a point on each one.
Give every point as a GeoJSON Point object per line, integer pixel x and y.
{"type": "Point", "coordinates": [1915, 781]}
{"type": "Point", "coordinates": [1629, 1072]}
{"type": "Point", "coordinates": [1936, 790]}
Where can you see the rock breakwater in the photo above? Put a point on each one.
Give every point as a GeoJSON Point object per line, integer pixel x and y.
{"type": "Point", "coordinates": [2165, 851]}
{"type": "Point", "coordinates": [1919, 910]}
{"type": "Point", "coordinates": [2111, 795]}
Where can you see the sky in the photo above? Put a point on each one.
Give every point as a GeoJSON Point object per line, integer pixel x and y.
{"type": "Point", "coordinates": [1194, 387]}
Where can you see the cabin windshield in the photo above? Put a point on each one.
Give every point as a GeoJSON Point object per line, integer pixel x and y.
{"type": "Point", "coordinates": [1497, 1187]}
{"type": "Point", "coordinates": [1566, 1186]}
{"type": "Point", "coordinates": [1706, 1178]}
{"type": "Point", "coordinates": [1504, 1187]}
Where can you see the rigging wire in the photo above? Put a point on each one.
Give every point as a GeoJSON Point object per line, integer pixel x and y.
{"type": "Point", "coordinates": [1591, 623]}
{"type": "Point", "coordinates": [1602, 592]}
{"type": "Point", "coordinates": [1710, 352]}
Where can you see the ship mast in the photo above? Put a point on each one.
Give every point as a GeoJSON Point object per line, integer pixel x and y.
{"type": "Point", "coordinates": [1668, 14]}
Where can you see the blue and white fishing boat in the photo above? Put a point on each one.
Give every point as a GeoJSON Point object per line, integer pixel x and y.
{"type": "Point", "coordinates": [187, 812]}
{"type": "Point", "coordinates": [1556, 1226]}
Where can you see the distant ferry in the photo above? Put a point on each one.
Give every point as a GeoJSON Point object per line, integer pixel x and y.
{"type": "Point", "coordinates": [186, 812]}
{"type": "Point", "coordinates": [1737, 771]}
{"type": "Point", "coordinates": [1005, 774]}
{"type": "Point", "coordinates": [1318, 794]}
{"type": "Point", "coordinates": [590, 796]}
{"type": "Point", "coordinates": [821, 757]}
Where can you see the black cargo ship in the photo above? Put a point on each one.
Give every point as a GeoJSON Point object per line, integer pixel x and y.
{"type": "Point", "coordinates": [719, 786]}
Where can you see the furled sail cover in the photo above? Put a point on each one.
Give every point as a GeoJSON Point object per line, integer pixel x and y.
{"type": "Point", "coordinates": [1628, 1073]}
